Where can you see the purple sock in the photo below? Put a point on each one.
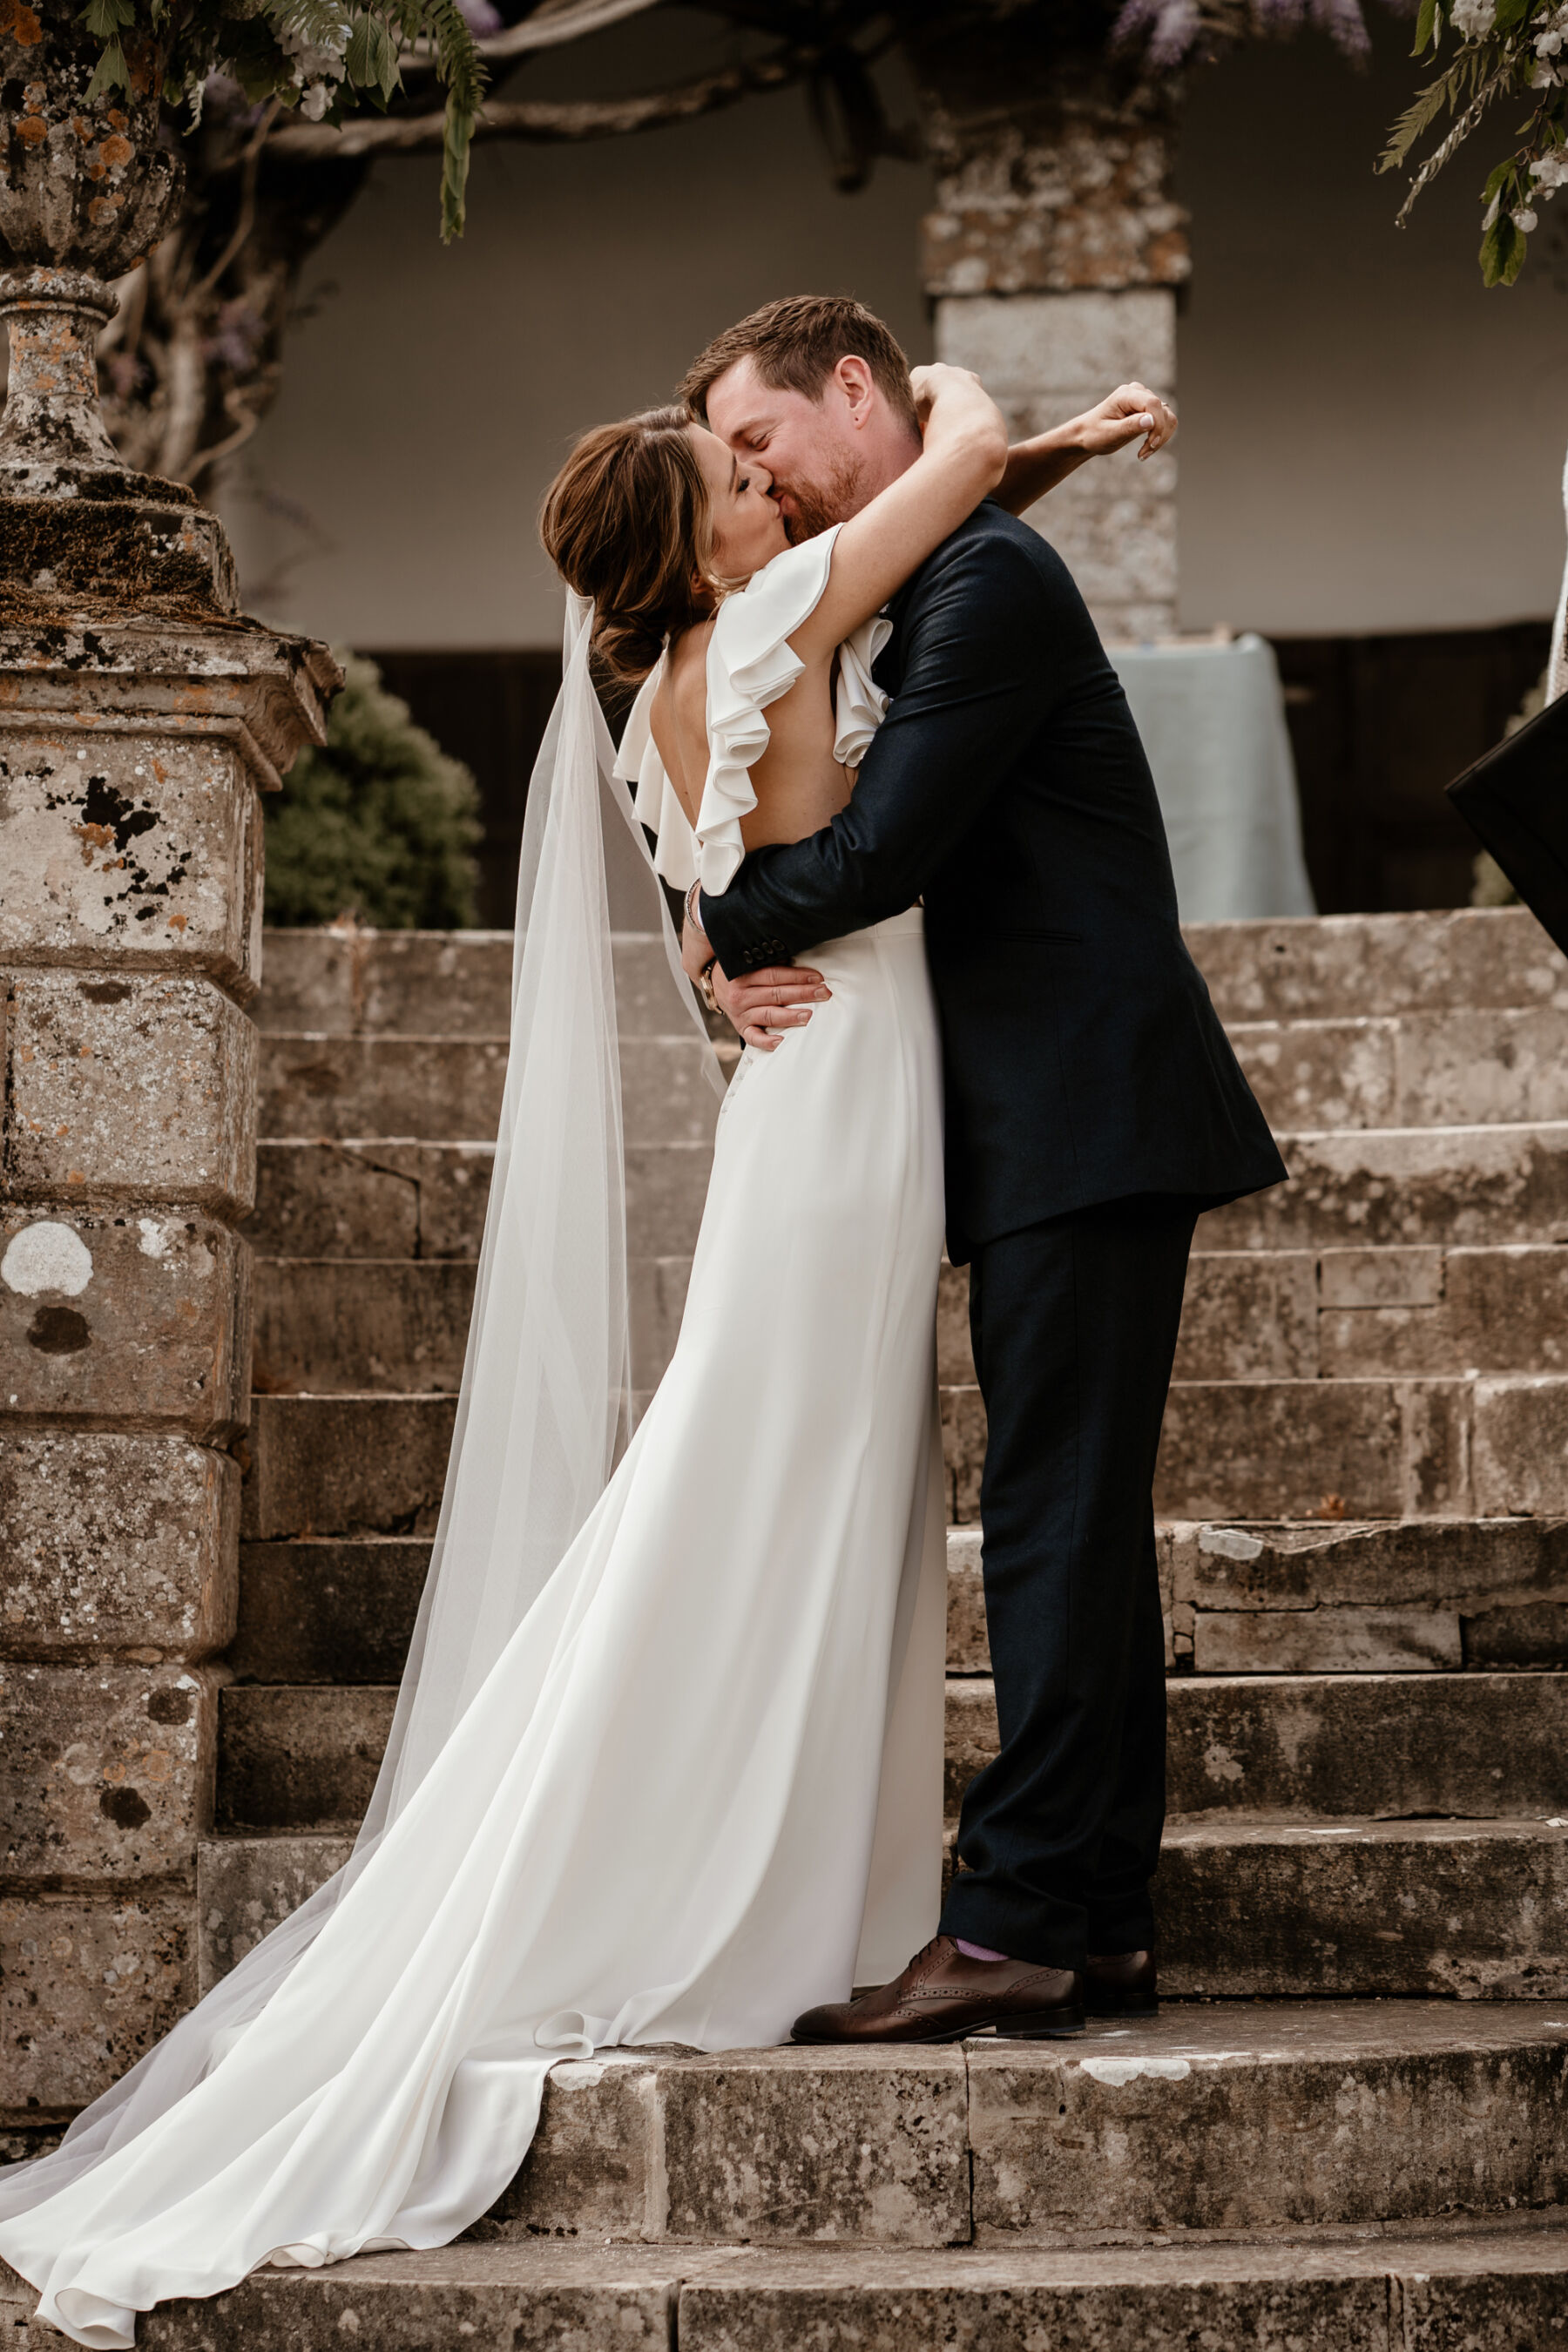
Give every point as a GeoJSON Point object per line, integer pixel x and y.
{"type": "Point", "coordinates": [977, 1951]}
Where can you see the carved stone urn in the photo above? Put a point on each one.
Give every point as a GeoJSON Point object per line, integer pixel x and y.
{"type": "Point", "coordinates": [86, 188]}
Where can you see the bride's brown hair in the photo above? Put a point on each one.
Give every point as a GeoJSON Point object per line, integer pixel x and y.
{"type": "Point", "coordinates": [627, 521]}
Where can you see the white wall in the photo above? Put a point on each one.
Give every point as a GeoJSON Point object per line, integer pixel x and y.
{"type": "Point", "coordinates": [1369, 440]}
{"type": "Point", "coordinates": [427, 403]}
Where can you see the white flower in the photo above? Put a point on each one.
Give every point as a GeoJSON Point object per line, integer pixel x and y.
{"type": "Point", "coordinates": [1549, 173]}
{"type": "Point", "coordinates": [316, 100]}
{"type": "Point", "coordinates": [1524, 220]}
{"type": "Point", "coordinates": [1473, 18]}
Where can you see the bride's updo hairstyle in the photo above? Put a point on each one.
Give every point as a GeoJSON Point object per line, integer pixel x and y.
{"type": "Point", "coordinates": [627, 521]}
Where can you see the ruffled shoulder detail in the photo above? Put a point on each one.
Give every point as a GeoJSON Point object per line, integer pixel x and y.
{"type": "Point", "coordinates": [751, 664]}
{"type": "Point", "coordinates": [637, 763]}
{"type": "Point", "coordinates": [859, 703]}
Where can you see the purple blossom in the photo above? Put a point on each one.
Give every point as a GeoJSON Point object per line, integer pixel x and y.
{"type": "Point", "coordinates": [1173, 28]}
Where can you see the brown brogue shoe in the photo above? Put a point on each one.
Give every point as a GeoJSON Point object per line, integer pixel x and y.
{"type": "Point", "coordinates": [1121, 1984]}
{"type": "Point", "coordinates": [943, 1996]}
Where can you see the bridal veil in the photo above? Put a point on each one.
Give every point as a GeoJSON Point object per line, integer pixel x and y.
{"type": "Point", "coordinates": [546, 1389]}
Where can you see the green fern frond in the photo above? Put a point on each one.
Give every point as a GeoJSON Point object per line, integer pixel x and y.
{"type": "Point", "coordinates": [320, 22]}
{"type": "Point", "coordinates": [461, 68]}
{"type": "Point", "coordinates": [457, 134]}
{"type": "Point", "coordinates": [1418, 118]}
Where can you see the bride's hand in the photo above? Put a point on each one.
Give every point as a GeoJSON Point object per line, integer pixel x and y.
{"type": "Point", "coordinates": [928, 384]}
{"type": "Point", "coordinates": [1130, 413]}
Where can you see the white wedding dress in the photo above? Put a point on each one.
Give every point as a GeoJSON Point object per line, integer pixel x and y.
{"type": "Point", "coordinates": [699, 1789]}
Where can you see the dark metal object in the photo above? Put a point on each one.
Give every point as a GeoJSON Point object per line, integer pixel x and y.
{"type": "Point", "coordinates": [1515, 799]}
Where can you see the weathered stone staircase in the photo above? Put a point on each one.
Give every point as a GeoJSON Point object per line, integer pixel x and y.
{"type": "Point", "coordinates": [1356, 2136]}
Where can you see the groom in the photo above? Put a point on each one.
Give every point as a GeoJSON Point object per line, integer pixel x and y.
{"type": "Point", "coordinates": [1093, 1109]}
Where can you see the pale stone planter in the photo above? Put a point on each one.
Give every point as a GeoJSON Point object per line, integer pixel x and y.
{"type": "Point", "coordinates": [1052, 260]}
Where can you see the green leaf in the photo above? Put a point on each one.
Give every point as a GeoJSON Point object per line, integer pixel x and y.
{"type": "Point", "coordinates": [359, 58]}
{"type": "Point", "coordinates": [1511, 14]}
{"type": "Point", "coordinates": [104, 18]}
{"type": "Point", "coordinates": [1426, 26]}
{"type": "Point", "coordinates": [1503, 252]}
{"type": "Point", "coordinates": [111, 72]}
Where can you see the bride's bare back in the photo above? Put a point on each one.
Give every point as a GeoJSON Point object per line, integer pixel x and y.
{"type": "Point", "coordinates": [799, 785]}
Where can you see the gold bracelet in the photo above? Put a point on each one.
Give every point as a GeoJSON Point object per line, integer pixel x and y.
{"type": "Point", "coordinates": [705, 986]}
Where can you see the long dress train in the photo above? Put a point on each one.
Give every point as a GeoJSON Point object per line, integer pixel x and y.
{"type": "Point", "coordinates": [718, 1724]}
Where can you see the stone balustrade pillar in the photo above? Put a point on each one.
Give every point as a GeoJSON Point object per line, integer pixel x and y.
{"type": "Point", "coordinates": [1052, 258]}
{"type": "Point", "coordinates": [140, 715]}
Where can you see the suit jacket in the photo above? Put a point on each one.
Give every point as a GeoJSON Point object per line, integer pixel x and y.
{"type": "Point", "coordinates": [1008, 788]}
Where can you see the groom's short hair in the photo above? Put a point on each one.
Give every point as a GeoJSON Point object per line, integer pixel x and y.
{"type": "Point", "coordinates": [797, 343]}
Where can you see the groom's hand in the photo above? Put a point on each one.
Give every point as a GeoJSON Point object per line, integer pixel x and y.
{"type": "Point", "coordinates": [762, 1006]}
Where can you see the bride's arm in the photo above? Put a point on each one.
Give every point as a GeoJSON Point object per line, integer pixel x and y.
{"type": "Point", "coordinates": [1035, 466]}
{"type": "Point", "coordinates": [964, 451]}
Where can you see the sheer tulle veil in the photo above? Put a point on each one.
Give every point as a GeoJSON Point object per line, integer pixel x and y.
{"type": "Point", "coordinates": [546, 1390]}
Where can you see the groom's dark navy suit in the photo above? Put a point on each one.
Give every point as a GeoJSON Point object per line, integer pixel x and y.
{"type": "Point", "coordinates": [1093, 1109]}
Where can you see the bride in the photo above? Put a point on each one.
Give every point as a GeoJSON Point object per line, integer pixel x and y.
{"type": "Point", "coordinates": [667, 1761]}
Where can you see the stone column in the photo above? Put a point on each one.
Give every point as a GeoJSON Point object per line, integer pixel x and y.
{"type": "Point", "coordinates": [139, 717]}
{"type": "Point", "coordinates": [1053, 258]}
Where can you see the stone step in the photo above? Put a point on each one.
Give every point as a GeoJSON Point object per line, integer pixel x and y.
{"type": "Point", "coordinates": [1247, 1908]}
{"type": "Point", "coordinates": [1471, 1187]}
{"type": "Point", "coordinates": [1332, 1449]}
{"type": "Point", "coordinates": [1387, 1596]}
{"type": "Point", "coordinates": [1409, 1069]}
{"type": "Point", "coordinates": [370, 1198]}
{"type": "Point", "coordinates": [1490, 2289]}
{"type": "Point", "coordinates": [1263, 1596]}
{"type": "Point", "coordinates": [1313, 1747]}
{"type": "Point", "coordinates": [328, 1611]}
{"type": "Point", "coordinates": [1405, 1187]}
{"type": "Point", "coordinates": [1344, 1314]}
{"type": "Point", "coordinates": [394, 1325]}
{"type": "Point", "coordinates": [1440, 2106]}
{"type": "Point", "coordinates": [1318, 968]}
{"type": "Point", "coordinates": [1307, 968]}
{"type": "Point", "coordinates": [383, 1199]}
{"type": "Point", "coordinates": [1253, 1909]}
{"type": "Point", "coordinates": [422, 983]}
{"type": "Point", "coordinates": [1483, 1747]}
{"type": "Point", "coordinates": [1415, 1069]}
{"type": "Point", "coordinates": [359, 1325]}
{"type": "Point", "coordinates": [353, 1465]}
{"type": "Point", "coordinates": [441, 1090]}
{"type": "Point", "coordinates": [1322, 1451]}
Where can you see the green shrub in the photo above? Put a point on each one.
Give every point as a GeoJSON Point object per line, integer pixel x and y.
{"type": "Point", "coordinates": [380, 824]}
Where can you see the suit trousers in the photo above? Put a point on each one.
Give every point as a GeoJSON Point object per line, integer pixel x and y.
{"type": "Point", "coordinates": [1074, 1324]}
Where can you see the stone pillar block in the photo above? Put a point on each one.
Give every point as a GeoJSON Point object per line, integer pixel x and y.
{"type": "Point", "coordinates": [1052, 258]}
{"type": "Point", "coordinates": [106, 1772]}
{"type": "Point", "coordinates": [87, 1986]}
{"type": "Point", "coordinates": [116, 1544]}
{"type": "Point", "coordinates": [139, 1090]}
{"type": "Point", "coordinates": [119, 839]}
{"type": "Point", "coordinates": [135, 1318]}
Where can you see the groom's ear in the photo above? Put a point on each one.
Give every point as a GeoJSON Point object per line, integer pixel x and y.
{"type": "Point", "coordinates": [856, 381]}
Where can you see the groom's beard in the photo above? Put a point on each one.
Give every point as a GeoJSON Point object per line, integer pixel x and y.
{"type": "Point", "coordinates": [819, 505]}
